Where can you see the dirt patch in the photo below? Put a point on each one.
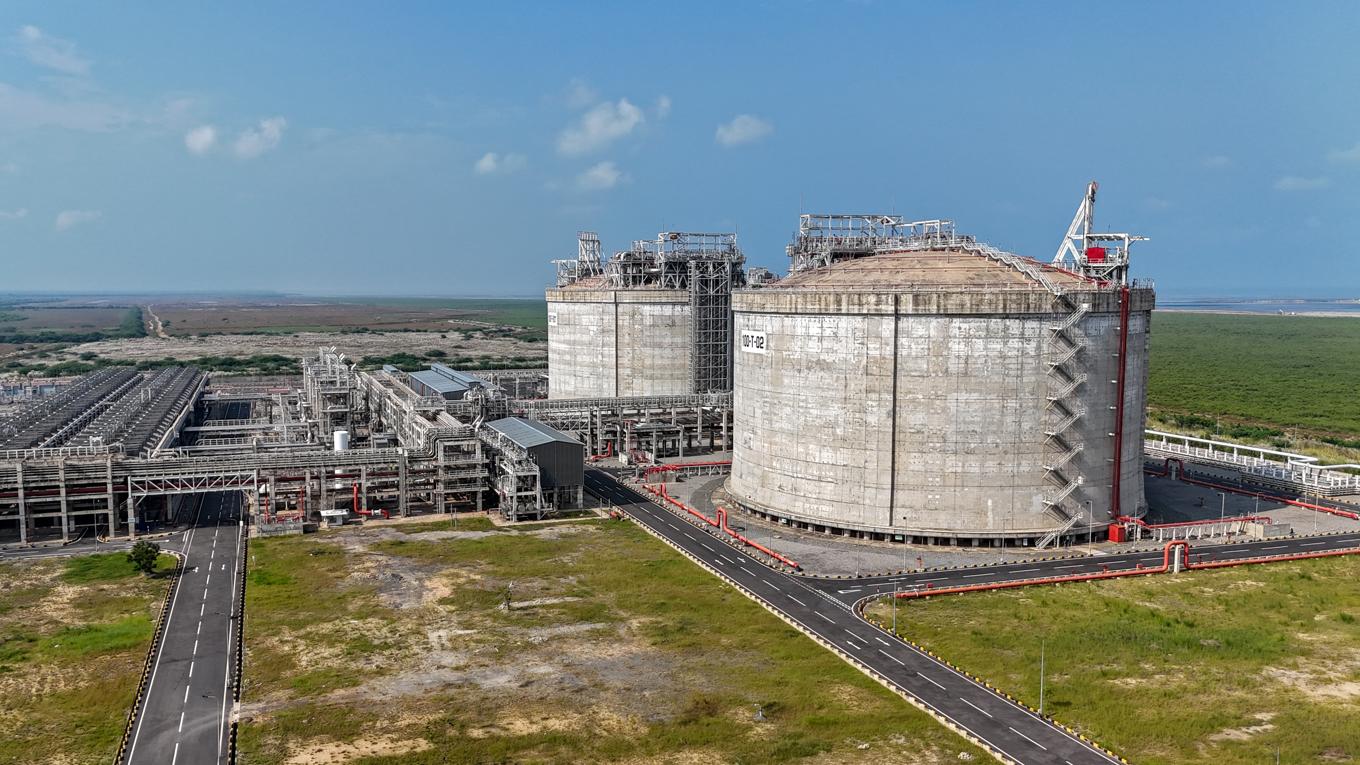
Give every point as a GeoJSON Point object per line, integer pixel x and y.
{"type": "Point", "coordinates": [1316, 685]}
{"type": "Point", "coordinates": [1246, 731]}
{"type": "Point", "coordinates": [329, 752]}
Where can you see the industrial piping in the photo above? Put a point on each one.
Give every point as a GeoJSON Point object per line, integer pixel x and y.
{"type": "Point", "coordinates": [721, 523]}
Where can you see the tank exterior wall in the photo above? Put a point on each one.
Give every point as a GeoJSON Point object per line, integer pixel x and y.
{"type": "Point", "coordinates": [604, 343]}
{"type": "Point", "coordinates": [924, 413]}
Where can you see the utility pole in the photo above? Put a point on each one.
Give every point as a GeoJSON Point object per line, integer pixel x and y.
{"type": "Point", "coordinates": [1041, 677]}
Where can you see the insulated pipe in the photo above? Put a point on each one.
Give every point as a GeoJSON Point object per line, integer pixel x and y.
{"type": "Point", "coordinates": [721, 523]}
{"type": "Point", "coordinates": [1115, 508]}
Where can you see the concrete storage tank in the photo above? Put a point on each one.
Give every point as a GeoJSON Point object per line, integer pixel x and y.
{"type": "Point", "coordinates": [655, 320]}
{"type": "Point", "coordinates": [919, 386]}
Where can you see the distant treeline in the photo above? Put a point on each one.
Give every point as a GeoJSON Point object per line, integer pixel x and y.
{"type": "Point", "coordinates": [131, 326]}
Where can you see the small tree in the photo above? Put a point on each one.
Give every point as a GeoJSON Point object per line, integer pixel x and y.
{"type": "Point", "coordinates": [143, 555]}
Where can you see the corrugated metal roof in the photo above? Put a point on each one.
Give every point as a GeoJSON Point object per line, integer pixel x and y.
{"type": "Point", "coordinates": [529, 433]}
{"type": "Point", "coordinates": [438, 382]}
{"type": "Point", "coordinates": [462, 377]}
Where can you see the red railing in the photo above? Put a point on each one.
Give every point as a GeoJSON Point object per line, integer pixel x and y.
{"type": "Point", "coordinates": [720, 523]}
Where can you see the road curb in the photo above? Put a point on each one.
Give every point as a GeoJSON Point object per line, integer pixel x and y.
{"type": "Point", "coordinates": [135, 713]}
{"type": "Point", "coordinates": [238, 658]}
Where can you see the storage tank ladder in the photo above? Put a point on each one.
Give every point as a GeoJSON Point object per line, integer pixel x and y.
{"type": "Point", "coordinates": [1065, 345]}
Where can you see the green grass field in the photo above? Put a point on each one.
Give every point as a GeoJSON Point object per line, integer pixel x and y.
{"type": "Point", "coordinates": [1216, 667]}
{"type": "Point", "coordinates": [73, 639]}
{"type": "Point", "coordinates": [390, 644]}
{"type": "Point", "coordinates": [1279, 371]}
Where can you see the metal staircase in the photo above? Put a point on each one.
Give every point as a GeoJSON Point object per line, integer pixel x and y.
{"type": "Point", "coordinates": [1064, 348]}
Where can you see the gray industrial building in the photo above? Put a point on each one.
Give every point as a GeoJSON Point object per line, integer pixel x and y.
{"type": "Point", "coordinates": [442, 382]}
{"type": "Point", "coordinates": [537, 467]}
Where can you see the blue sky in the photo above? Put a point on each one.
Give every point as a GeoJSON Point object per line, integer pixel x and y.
{"type": "Point", "coordinates": [447, 149]}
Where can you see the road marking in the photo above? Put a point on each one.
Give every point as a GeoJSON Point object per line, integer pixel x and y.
{"type": "Point", "coordinates": [1027, 738]}
{"type": "Point", "coordinates": [719, 562]}
{"type": "Point", "coordinates": [205, 593]}
{"type": "Point", "coordinates": [181, 722]}
{"type": "Point", "coordinates": [201, 606]}
{"type": "Point", "coordinates": [199, 630]}
{"type": "Point", "coordinates": [224, 567]}
{"type": "Point", "coordinates": [206, 581]}
{"type": "Point", "coordinates": [1276, 547]}
{"type": "Point", "coordinates": [186, 694]}
{"type": "Point", "coordinates": [1312, 544]}
{"type": "Point", "coordinates": [853, 589]}
{"type": "Point", "coordinates": [799, 602]}
{"type": "Point", "coordinates": [890, 656]}
{"type": "Point", "coordinates": [824, 616]}
{"type": "Point", "coordinates": [969, 576]}
{"type": "Point", "coordinates": [881, 640]}
{"type": "Point", "coordinates": [975, 706]}
{"type": "Point", "coordinates": [932, 682]}
{"type": "Point", "coordinates": [1023, 570]}
{"type": "Point", "coordinates": [1073, 565]}
{"type": "Point", "coordinates": [176, 755]}
{"type": "Point", "coordinates": [195, 653]}
{"type": "Point", "coordinates": [191, 669]}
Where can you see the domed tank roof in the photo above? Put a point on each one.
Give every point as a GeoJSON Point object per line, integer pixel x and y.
{"type": "Point", "coordinates": [932, 269]}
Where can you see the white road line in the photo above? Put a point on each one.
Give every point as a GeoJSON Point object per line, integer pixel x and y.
{"type": "Point", "coordinates": [195, 653]}
{"type": "Point", "coordinates": [932, 682]}
{"type": "Point", "coordinates": [226, 673]}
{"type": "Point", "coordinates": [719, 562]}
{"type": "Point", "coordinates": [984, 573]}
{"type": "Point", "coordinates": [824, 616]}
{"type": "Point", "coordinates": [186, 694]}
{"type": "Point", "coordinates": [890, 656]}
{"type": "Point", "coordinates": [224, 567]}
{"type": "Point", "coordinates": [1023, 570]}
{"type": "Point", "coordinates": [201, 606]}
{"type": "Point", "coordinates": [852, 589]}
{"type": "Point", "coordinates": [1027, 738]}
{"type": "Point", "coordinates": [1312, 544]}
{"type": "Point", "coordinates": [181, 722]}
{"type": "Point", "coordinates": [205, 593]}
{"type": "Point", "coordinates": [881, 640]}
{"type": "Point", "coordinates": [199, 630]}
{"type": "Point", "coordinates": [176, 755]}
{"type": "Point", "coordinates": [975, 706]}
{"type": "Point", "coordinates": [191, 669]}
{"type": "Point", "coordinates": [799, 602]}
{"type": "Point", "coordinates": [1276, 547]}
{"type": "Point", "coordinates": [208, 580]}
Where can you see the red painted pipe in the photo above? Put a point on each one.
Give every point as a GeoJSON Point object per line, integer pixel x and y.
{"type": "Point", "coordinates": [1166, 566]}
{"type": "Point", "coordinates": [721, 523]}
{"type": "Point", "coordinates": [1115, 509]}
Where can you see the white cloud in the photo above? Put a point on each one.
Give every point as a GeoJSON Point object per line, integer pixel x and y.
{"type": "Point", "coordinates": [262, 138]}
{"type": "Point", "coordinates": [605, 175]}
{"type": "Point", "coordinates": [744, 128]}
{"type": "Point", "coordinates": [201, 139]}
{"type": "Point", "coordinates": [51, 52]}
{"type": "Point", "coordinates": [1346, 155]}
{"type": "Point", "coordinates": [68, 218]}
{"type": "Point", "coordinates": [663, 107]}
{"type": "Point", "coordinates": [599, 127]}
{"type": "Point", "coordinates": [491, 163]}
{"type": "Point", "coordinates": [1296, 183]}
{"type": "Point", "coordinates": [28, 110]}
{"type": "Point", "coordinates": [580, 94]}
{"type": "Point", "coordinates": [1217, 162]}
{"type": "Point", "coordinates": [13, 214]}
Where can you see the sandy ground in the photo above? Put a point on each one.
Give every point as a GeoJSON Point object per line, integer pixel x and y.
{"type": "Point", "coordinates": [355, 345]}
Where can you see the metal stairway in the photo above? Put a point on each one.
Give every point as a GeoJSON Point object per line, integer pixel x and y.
{"type": "Point", "coordinates": [1064, 347]}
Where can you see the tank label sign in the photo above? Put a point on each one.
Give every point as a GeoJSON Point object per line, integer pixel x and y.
{"type": "Point", "coordinates": [753, 342]}
{"type": "Point", "coordinates": [552, 320]}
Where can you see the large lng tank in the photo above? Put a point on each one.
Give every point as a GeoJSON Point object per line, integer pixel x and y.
{"type": "Point", "coordinates": [655, 320]}
{"type": "Point", "coordinates": [605, 342]}
{"type": "Point", "coordinates": [945, 392]}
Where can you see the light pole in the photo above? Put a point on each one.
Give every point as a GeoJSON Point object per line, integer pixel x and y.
{"type": "Point", "coordinates": [894, 609]}
{"type": "Point", "coordinates": [1041, 677]}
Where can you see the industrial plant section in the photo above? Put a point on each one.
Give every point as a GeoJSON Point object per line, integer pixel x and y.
{"type": "Point", "coordinates": [903, 383]}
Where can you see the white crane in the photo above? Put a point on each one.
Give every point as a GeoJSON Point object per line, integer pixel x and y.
{"type": "Point", "coordinates": [1100, 256]}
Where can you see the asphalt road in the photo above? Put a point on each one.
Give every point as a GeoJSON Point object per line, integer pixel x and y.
{"type": "Point", "coordinates": [184, 717]}
{"type": "Point", "coordinates": [1008, 728]}
{"type": "Point", "coordinates": [849, 591]}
